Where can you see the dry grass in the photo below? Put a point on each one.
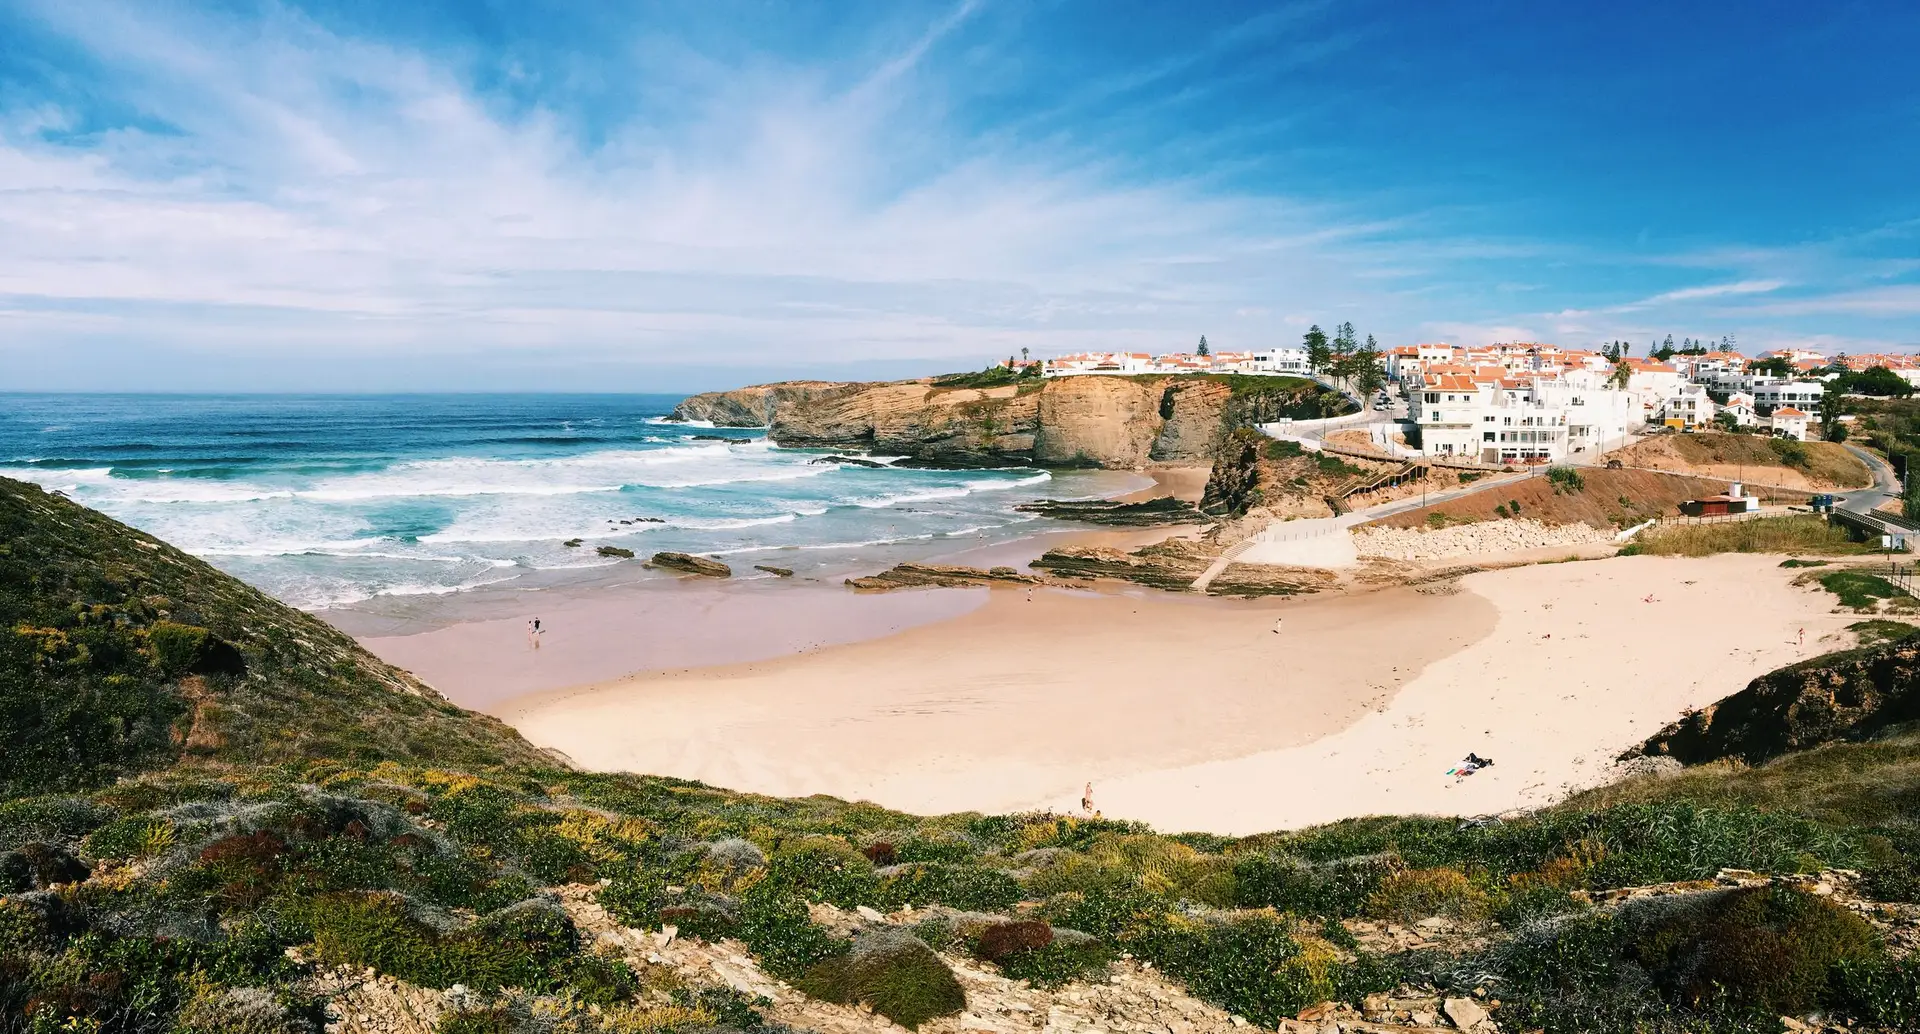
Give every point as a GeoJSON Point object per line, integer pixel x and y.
{"type": "Point", "coordinates": [1608, 499]}
{"type": "Point", "coordinates": [1797, 535]}
{"type": "Point", "coordinates": [1824, 463]}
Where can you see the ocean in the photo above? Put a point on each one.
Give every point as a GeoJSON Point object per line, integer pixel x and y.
{"type": "Point", "coordinates": [328, 500]}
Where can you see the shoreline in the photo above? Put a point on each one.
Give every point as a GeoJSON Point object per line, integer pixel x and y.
{"type": "Point", "coordinates": [625, 619]}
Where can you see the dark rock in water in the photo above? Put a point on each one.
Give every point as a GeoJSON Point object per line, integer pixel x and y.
{"type": "Point", "coordinates": [1146, 514]}
{"type": "Point", "coordinates": [784, 572]}
{"type": "Point", "coordinates": [649, 520]}
{"type": "Point", "coordinates": [716, 438]}
{"type": "Point", "coordinates": [571, 543]}
{"type": "Point", "coordinates": [624, 554]}
{"type": "Point", "coordinates": [852, 461]}
{"type": "Point", "coordinates": [686, 563]}
{"type": "Point", "coordinates": [945, 576]}
{"type": "Point", "coordinates": [1846, 696]}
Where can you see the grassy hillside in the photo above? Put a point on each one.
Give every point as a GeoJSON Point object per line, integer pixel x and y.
{"type": "Point", "coordinates": [229, 823]}
{"type": "Point", "coordinates": [119, 653]}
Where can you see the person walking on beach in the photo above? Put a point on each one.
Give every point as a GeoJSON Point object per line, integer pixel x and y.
{"type": "Point", "coordinates": [1086, 799]}
{"type": "Point", "coordinates": [1276, 625]}
{"type": "Point", "coordinates": [536, 633]}
{"type": "Point", "coordinates": [1802, 638]}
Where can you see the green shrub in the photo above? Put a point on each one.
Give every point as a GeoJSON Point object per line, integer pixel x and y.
{"type": "Point", "coordinates": [775, 925]}
{"type": "Point", "coordinates": [137, 836]}
{"type": "Point", "coordinates": [496, 1019]}
{"type": "Point", "coordinates": [176, 648]}
{"type": "Point", "coordinates": [600, 977]}
{"type": "Point", "coordinates": [1251, 966]}
{"type": "Point", "coordinates": [1565, 479]}
{"type": "Point", "coordinates": [514, 947]}
{"type": "Point", "coordinates": [1111, 915]}
{"type": "Point", "coordinates": [1340, 887]}
{"type": "Point", "coordinates": [968, 887]}
{"type": "Point", "coordinates": [894, 973]}
{"type": "Point", "coordinates": [934, 847]}
{"type": "Point", "coordinates": [1141, 861]}
{"type": "Point", "coordinates": [240, 1010]}
{"type": "Point", "coordinates": [1858, 589]}
{"type": "Point", "coordinates": [48, 819]}
{"type": "Point", "coordinates": [1035, 952]}
{"type": "Point", "coordinates": [634, 897]}
{"type": "Point", "coordinates": [1418, 893]}
{"type": "Point", "coordinates": [824, 869]}
{"type": "Point", "coordinates": [1768, 947]}
{"type": "Point", "coordinates": [1881, 991]}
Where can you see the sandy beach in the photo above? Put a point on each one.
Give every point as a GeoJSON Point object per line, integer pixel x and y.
{"type": "Point", "coordinates": [1192, 713]}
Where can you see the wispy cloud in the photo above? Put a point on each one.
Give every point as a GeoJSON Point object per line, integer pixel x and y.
{"type": "Point", "coordinates": [281, 186]}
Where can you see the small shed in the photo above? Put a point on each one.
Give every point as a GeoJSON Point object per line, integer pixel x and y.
{"type": "Point", "coordinates": [1734, 500]}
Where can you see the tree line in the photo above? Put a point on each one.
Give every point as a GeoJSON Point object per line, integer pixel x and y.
{"type": "Point", "coordinates": [1344, 358]}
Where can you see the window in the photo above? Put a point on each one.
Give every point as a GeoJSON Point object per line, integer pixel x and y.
{"type": "Point", "coordinates": [1433, 396]}
{"type": "Point", "coordinates": [1486, 436]}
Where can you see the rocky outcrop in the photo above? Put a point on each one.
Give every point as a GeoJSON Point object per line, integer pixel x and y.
{"type": "Point", "coordinates": [1149, 513]}
{"type": "Point", "coordinates": [1234, 485]}
{"type": "Point", "coordinates": [945, 576]}
{"type": "Point", "coordinates": [1112, 422]}
{"type": "Point", "coordinates": [686, 563]}
{"type": "Point", "coordinates": [1843, 696]}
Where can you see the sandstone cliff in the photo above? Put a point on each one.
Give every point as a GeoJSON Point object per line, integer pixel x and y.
{"type": "Point", "coordinates": [1112, 422]}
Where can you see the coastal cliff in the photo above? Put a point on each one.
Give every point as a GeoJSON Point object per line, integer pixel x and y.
{"type": "Point", "coordinates": [1111, 422]}
{"type": "Point", "coordinates": [1847, 696]}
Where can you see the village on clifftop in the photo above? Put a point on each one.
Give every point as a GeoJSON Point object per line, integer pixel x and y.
{"type": "Point", "coordinates": [1532, 402]}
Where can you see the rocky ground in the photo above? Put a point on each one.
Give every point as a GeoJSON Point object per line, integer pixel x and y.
{"type": "Point", "coordinates": [1480, 538]}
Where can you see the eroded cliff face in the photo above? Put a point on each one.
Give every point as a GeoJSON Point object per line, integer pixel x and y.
{"type": "Point", "coordinates": [1112, 422]}
{"type": "Point", "coordinates": [1844, 696]}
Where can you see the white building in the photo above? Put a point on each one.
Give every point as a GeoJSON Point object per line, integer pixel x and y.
{"type": "Point", "coordinates": [1740, 407]}
{"type": "Point", "coordinates": [1771, 393]}
{"type": "Point", "coordinates": [1485, 416]}
{"type": "Point", "coordinates": [1687, 407]}
{"type": "Point", "coordinates": [1788, 422]}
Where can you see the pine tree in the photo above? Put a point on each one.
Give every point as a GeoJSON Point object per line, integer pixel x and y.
{"type": "Point", "coordinates": [1202, 350]}
{"type": "Point", "coordinates": [1318, 354]}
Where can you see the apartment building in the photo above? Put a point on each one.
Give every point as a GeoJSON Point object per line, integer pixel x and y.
{"type": "Point", "coordinates": [1495, 416]}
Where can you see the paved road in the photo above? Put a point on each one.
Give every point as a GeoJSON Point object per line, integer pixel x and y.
{"type": "Point", "coordinates": [1885, 485]}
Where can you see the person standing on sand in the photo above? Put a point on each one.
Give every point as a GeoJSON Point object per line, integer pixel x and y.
{"type": "Point", "coordinates": [1802, 638]}
{"type": "Point", "coordinates": [1086, 799]}
{"type": "Point", "coordinates": [536, 633]}
{"type": "Point", "coordinates": [1276, 625]}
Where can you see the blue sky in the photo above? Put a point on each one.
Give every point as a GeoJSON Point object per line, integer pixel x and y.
{"type": "Point", "coordinates": [375, 196]}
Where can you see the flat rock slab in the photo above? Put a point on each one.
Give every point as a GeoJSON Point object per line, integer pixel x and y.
{"type": "Point", "coordinates": [686, 563]}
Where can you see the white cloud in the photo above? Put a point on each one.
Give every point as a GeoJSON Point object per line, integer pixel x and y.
{"type": "Point", "coordinates": [321, 189]}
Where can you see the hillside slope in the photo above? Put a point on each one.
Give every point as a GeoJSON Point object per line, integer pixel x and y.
{"type": "Point", "coordinates": [1113, 422]}
{"type": "Point", "coordinates": [1814, 466]}
{"type": "Point", "coordinates": [1605, 499]}
{"type": "Point", "coordinates": [119, 652]}
{"type": "Point", "coordinates": [317, 842]}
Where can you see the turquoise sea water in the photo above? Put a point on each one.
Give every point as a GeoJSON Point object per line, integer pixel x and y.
{"type": "Point", "coordinates": [325, 500]}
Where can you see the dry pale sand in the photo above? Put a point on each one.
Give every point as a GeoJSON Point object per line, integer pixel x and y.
{"type": "Point", "coordinates": [1586, 659]}
{"type": "Point", "coordinates": [1016, 700]}
{"type": "Point", "coordinates": [1192, 714]}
